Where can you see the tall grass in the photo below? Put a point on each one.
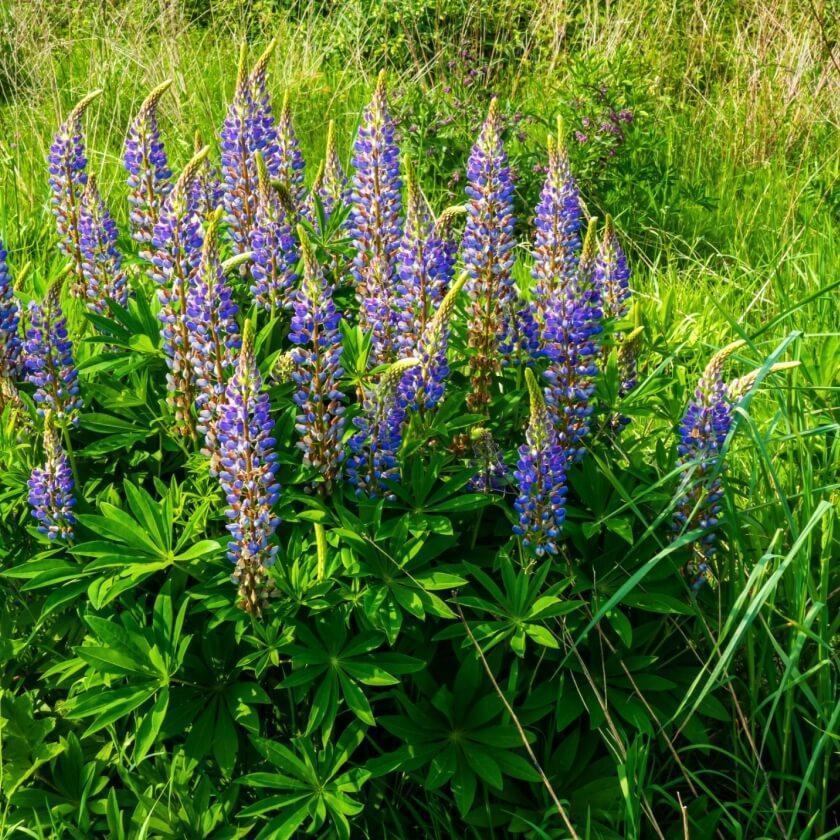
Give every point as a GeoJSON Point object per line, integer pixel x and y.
{"type": "Point", "coordinates": [728, 194]}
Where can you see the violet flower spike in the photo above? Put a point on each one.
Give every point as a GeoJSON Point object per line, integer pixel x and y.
{"type": "Point", "coordinates": [247, 471]}
{"type": "Point", "coordinates": [10, 343]}
{"type": "Point", "coordinates": [149, 175]}
{"type": "Point", "coordinates": [101, 261]}
{"type": "Point", "coordinates": [284, 159]}
{"type": "Point", "coordinates": [541, 478]}
{"type": "Point", "coordinates": [274, 251]}
{"type": "Point", "coordinates": [317, 370]}
{"type": "Point", "coordinates": [612, 273]}
{"type": "Point", "coordinates": [177, 244]}
{"type": "Point", "coordinates": [206, 187]}
{"type": "Point", "coordinates": [51, 486]}
{"type": "Point", "coordinates": [488, 257]}
{"type": "Point", "coordinates": [330, 184]}
{"type": "Point", "coordinates": [68, 176]}
{"type": "Point", "coordinates": [263, 130]}
{"type": "Point", "coordinates": [425, 262]}
{"type": "Point", "coordinates": [557, 228]}
{"type": "Point", "coordinates": [422, 386]}
{"type": "Point", "coordinates": [702, 431]}
{"type": "Point", "coordinates": [239, 169]}
{"type": "Point", "coordinates": [373, 465]}
{"type": "Point", "coordinates": [48, 359]}
{"type": "Point", "coordinates": [213, 337]}
{"type": "Point", "coordinates": [492, 474]}
{"type": "Point", "coordinates": [374, 223]}
{"type": "Point", "coordinates": [570, 342]}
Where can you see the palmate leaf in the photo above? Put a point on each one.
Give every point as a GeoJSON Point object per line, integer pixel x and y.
{"type": "Point", "coordinates": [314, 785]}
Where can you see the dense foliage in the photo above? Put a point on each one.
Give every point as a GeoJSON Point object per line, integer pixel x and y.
{"type": "Point", "coordinates": [330, 508]}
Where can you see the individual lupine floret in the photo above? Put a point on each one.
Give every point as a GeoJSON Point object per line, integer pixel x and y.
{"type": "Point", "coordinates": [68, 176]}
{"type": "Point", "coordinates": [101, 260]}
{"type": "Point", "coordinates": [569, 341]}
{"type": "Point", "coordinates": [213, 336]}
{"type": "Point", "coordinates": [541, 478]}
{"type": "Point", "coordinates": [492, 473]}
{"type": "Point", "coordinates": [612, 274]}
{"type": "Point", "coordinates": [317, 369]}
{"type": "Point", "coordinates": [149, 175]}
{"type": "Point", "coordinates": [557, 228]}
{"type": "Point", "coordinates": [239, 167]}
{"type": "Point", "coordinates": [175, 258]}
{"type": "Point", "coordinates": [487, 251]}
{"type": "Point", "coordinates": [206, 187]}
{"type": "Point", "coordinates": [423, 385]}
{"type": "Point", "coordinates": [284, 158]}
{"type": "Point", "coordinates": [274, 251]}
{"type": "Point", "coordinates": [51, 498]}
{"type": "Point", "coordinates": [702, 431]}
{"type": "Point", "coordinates": [48, 359]}
{"type": "Point", "coordinates": [330, 184]}
{"type": "Point", "coordinates": [373, 464]}
{"type": "Point", "coordinates": [10, 344]}
{"type": "Point", "coordinates": [425, 262]}
{"type": "Point", "coordinates": [375, 223]}
{"type": "Point", "coordinates": [247, 471]}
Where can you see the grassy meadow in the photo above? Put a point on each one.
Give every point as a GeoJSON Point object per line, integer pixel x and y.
{"type": "Point", "coordinates": [655, 711]}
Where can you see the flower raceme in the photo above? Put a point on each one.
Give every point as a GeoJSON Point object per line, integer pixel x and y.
{"type": "Point", "coordinates": [317, 370]}
{"type": "Point", "coordinates": [612, 273]}
{"type": "Point", "coordinates": [68, 176]}
{"type": "Point", "coordinates": [285, 160]}
{"type": "Point", "coordinates": [213, 336]}
{"type": "Point", "coordinates": [101, 260]}
{"type": "Point", "coordinates": [48, 359]}
{"type": "Point", "coordinates": [175, 258]}
{"type": "Point", "coordinates": [149, 175]}
{"type": "Point", "coordinates": [330, 184]}
{"type": "Point", "coordinates": [274, 251]}
{"type": "Point", "coordinates": [487, 249]}
{"type": "Point", "coordinates": [375, 223]}
{"type": "Point", "coordinates": [373, 465]}
{"type": "Point", "coordinates": [10, 344]}
{"type": "Point", "coordinates": [51, 498]}
{"type": "Point", "coordinates": [541, 478]}
{"type": "Point", "coordinates": [247, 476]}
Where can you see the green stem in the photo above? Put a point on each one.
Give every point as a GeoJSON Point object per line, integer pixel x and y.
{"type": "Point", "coordinates": [321, 544]}
{"type": "Point", "coordinates": [71, 455]}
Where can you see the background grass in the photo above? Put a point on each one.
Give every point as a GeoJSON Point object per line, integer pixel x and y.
{"type": "Point", "coordinates": [725, 188]}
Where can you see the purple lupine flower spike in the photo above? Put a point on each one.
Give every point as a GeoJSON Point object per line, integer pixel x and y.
{"type": "Point", "coordinates": [101, 261]}
{"type": "Point", "coordinates": [612, 273]}
{"type": "Point", "coordinates": [373, 464]}
{"type": "Point", "coordinates": [68, 176]}
{"type": "Point", "coordinates": [274, 251]}
{"type": "Point", "coordinates": [569, 341]}
{"type": "Point", "coordinates": [206, 186]}
{"type": "Point", "coordinates": [541, 478]}
{"type": "Point", "coordinates": [262, 126]}
{"type": "Point", "coordinates": [424, 268]}
{"type": "Point", "coordinates": [284, 158]}
{"type": "Point", "coordinates": [239, 168]}
{"type": "Point", "coordinates": [488, 256]}
{"type": "Point", "coordinates": [330, 184]}
{"type": "Point", "coordinates": [317, 369]}
{"type": "Point", "coordinates": [48, 359]}
{"type": "Point", "coordinates": [492, 474]}
{"type": "Point", "coordinates": [175, 258]}
{"type": "Point", "coordinates": [703, 430]}
{"type": "Point", "coordinates": [557, 225]}
{"type": "Point", "coordinates": [149, 175]}
{"type": "Point", "coordinates": [10, 344]}
{"type": "Point", "coordinates": [51, 487]}
{"type": "Point", "coordinates": [213, 336]}
{"type": "Point", "coordinates": [247, 476]}
{"type": "Point", "coordinates": [374, 223]}
{"type": "Point", "coordinates": [423, 385]}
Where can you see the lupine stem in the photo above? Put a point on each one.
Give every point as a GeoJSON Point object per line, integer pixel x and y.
{"type": "Point", "coordinates": [321, 546]}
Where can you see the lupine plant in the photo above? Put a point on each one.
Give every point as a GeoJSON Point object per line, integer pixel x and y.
{"type": "Point", "coordinates": [343, 540]}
